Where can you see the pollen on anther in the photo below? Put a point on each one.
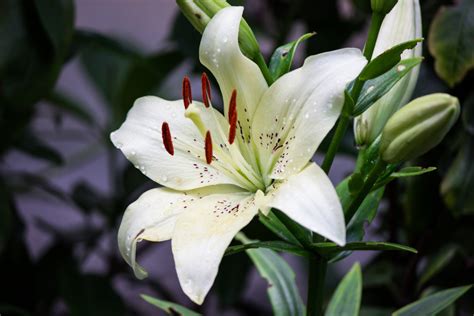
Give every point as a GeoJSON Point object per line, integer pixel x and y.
{"type": "Point", "coordinates": [167, 140]}
{"type": "Point", "coordinates": [208, 147]}
{"type": "Point", "coordinates": [206, 89]}
{"type": "Point", "coordinates": [232, 104]}
{"type": "Point", "coordinates": [187, 94]}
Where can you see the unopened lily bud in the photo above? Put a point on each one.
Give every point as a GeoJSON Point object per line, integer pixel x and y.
{"type": "Point", "coordinates": [418, 127]}
{"type": "Point", "coordinates": [402, 24]}
{"type": "Point", "coordinates": [199, 13]}
{"type": "Point", "coordinates": [383, 6]}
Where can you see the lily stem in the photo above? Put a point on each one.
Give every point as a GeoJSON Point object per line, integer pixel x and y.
{"type": "Point", "coordinates": [318, 265]}
{"type": "Point", "coordinates": [348, 108]}
{"type": "Point", "coordinates": [316, 280]}
{"type": "Point", "coordinates": [260, 61]}
{"type": "Point", "coordinates": [372, 178]}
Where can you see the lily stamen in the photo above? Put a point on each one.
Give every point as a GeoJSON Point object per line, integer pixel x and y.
{"type": "Point", "coordinates": [208, 148]}
{"type": "Point", "coordinates": [232, 117]}
{"type": "Point", "coordinates": [167, 140]}
{"type": "Point", "coordinates": [206, 89]}
{"type": "Point", "coordinates": [187, 93]}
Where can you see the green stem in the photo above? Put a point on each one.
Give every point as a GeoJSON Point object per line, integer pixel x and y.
{"type": "Point", "coordinates": [374, 174]}
{"type": "Point", "coordinates": [318, 265]}
{"type": "Point", "coordinates": [260, 61]}
{"type": "Point", "coordinates": [316, 278]}
{"type": "Point", "coordinates": [345, 118]}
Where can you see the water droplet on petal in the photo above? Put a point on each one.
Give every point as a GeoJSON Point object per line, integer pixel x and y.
{"type": "Point", "coordinates": [370, 89]}
{"type": "Point", "coordinates": [164, 178]}
{"type": "Point", "coordinates": [306, 115]}
{"type": "Point", "coordinates": [133, 153]}
{"type": "Point", "coordinates": [401, 68]}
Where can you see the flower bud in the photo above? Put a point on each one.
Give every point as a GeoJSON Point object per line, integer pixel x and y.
{"type": "Point", "coordinates": [383, 6]}
{"type": "Point", "coordinates": [417, 127]}
{"type": "Point", "coordinates": [402, 24]}
{"type": "Point", "coordinates": [200, 12]}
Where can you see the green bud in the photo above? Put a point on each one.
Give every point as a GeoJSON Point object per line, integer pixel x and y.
{"type": "Point", "coordinates": [200, 12]}
{"type": "Point", "coordinates": [417, 127]}
{"type": "Point", "coordinates": [383, 6]}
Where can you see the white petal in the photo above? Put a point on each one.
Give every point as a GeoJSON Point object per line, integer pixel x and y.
{"type": "Point", "coordinates": [310, 199]}
{"type": "Point", "coordinates": [402, 24]}
{"type": "Point", "coordinates": [140, 139]}
{"type": "Point", "coordinates": [152, 217]}
{"type": "Point", "coordinates": [201, 236]}
{"type": "Point", "coordinates": [220, 53]}
{"type": "Point", "coordinates": [300, 108]}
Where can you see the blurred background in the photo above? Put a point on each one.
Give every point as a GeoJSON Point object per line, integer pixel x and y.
{"type": "Point", "coordinates": [70, 71]}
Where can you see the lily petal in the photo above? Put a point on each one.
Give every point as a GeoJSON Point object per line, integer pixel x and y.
{"type": "Point", "coordinates": [202, 234]}
{"type": "Point", "coordinates": [140, 140]}
{"type": "Point", "coordinates": [220, 53]}
{"type": "Point", "coordinates": [300, 108]}
{"type": "Point", "coordinates": [152, 217]}
{"type": "Point", "coordinates": [310, 199]}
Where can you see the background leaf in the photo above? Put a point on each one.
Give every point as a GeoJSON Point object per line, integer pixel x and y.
{"type": "Point", "coordinates": [169, 307]}
{"type": "Point", "coordinates": [451, 41]}
{"type": "Point", "coordinates": [346, 299]}
{"type": "Point", "coordinates": [432, 304]}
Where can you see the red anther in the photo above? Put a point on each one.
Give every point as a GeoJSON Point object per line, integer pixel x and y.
{"type": "Point", "coordinates": [167, 140]}
{"type": "Point", "coordinates": [232, 127]}
{"type": "Point", "coordinates": [187, 94]}
{"type": "Point", "coordinates": [206, 89]}
{"type": "Point", "coordinates": [232, 105]}
{"type": "Point", "coordinates": [208, 147]}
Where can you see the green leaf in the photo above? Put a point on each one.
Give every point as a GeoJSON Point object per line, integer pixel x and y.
{"type": "Point", "coordinates": [169, 307]}
{"type": "Point", "coordinates": [328, 248]}
{"type": "Point", "coordinates": [303, 235]}
{"type": "Point", "coordinates": [451, 42]}
{"type": "Point", "coordinates": [387, 60]}
{"type": "Point", "coordinates": [36, 45]}
{"type": "Point", "coordinates": [456, 187]}
{"type": "Point", "coordinates": [436, 263]}
{"type": "Point", "coordinates": [277, 227]}
{"type": "Point", "coordinates": [365, 214]}
{"type": "Point", "coordinates": [376, 88]}
{"type": "Point", "coordinates": [412, 171]}
{"type": "Point", "coordinates": [282, 289]}
{"type": "Point", "coordinates": [356, 181]}
{"type": "Point", "coordinates": [57, 18]}
{"type": "Point", "coordinates": [346, 299]}
{"type": "Point", "coordinates": [432, 304]}
{"type": "Point", "coordinates": [67, 104]}
{"type": "Point", "coordinates": [274, 245]}
{"type": "Point", "coordinates": [282, 58]}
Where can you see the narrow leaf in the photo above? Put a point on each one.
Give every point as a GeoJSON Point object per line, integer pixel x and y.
{"type": "Point", "coordinates": [376, 88]}
{"type": "Point", "coordinates": [282, 290]}
{"type": "Point", "coordinates": [432, 304]}
{"type": "Point", "coordinates": [346, 299]}
{"type": "Point", "coordinates": [65, 103]}
{"type": "Point", "coordinates": [274, 245]}
{"type": "Point", "coordinates": [282, 58]}
{"type": "Point", "coordinates": [169, 307]}
{"type": "Point", "coordinates": [277, 227]}
{"type": "Point", "coordinates": [387, 60]}
{"type": "Point", "coordinates": [325, 248]}
{"type": "Point", "coordinates": [436, 263]}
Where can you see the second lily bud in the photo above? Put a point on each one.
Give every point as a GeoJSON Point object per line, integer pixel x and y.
{"type": "Point", "coordinates": [200, 12]}
{"type": "Point", "coordinates": [418, 127]}
{"type": "Point", "coordinates": [402, 24]}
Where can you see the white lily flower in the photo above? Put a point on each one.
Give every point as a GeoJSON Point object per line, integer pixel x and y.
{"type": "Point", "coordinates": [217, 173]}
{"type": "Point", "coordinates": [402, 24]}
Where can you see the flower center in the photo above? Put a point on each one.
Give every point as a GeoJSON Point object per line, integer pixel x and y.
{"type": "Point", "coordinates": [227, 156]}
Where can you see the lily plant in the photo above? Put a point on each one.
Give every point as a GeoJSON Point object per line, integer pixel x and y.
{"type": "Point", "coordinates": [218, 171]}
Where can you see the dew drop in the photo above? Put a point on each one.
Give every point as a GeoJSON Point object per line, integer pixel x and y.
{"type": "Point", "coordinates": [173, 115]}
{"type": "Point", "coordinates": [118, 145]}
{"type": "Point", "coordinates": [164, 178]}
{"type": "Point", "coordinates": [133, 153]}
{"type": "Point", "coordinates": [370, 89]}
{"type": "Point", "coordinates": [306, 115]}
{"type": "Point", "coordinates": [225, 39]}
{"type": "Point", "coordinates": [401, 68]}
